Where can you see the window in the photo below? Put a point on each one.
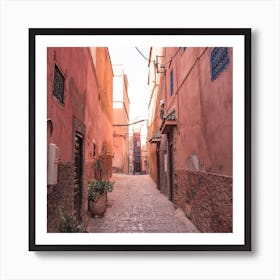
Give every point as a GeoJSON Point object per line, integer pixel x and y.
{"type": "Point", "coordinates": [219, 61]}
{"type": "Point", "coordinates": [171, 83]}
{"type": "Point", "coordinates": [58, 85]}
{"type": "Point", "coordinates": [184, 49]}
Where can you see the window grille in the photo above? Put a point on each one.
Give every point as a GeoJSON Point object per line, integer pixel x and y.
{"type": "Point", "coordinates": [219, 61]}
{"type": "Point", "coordinates": [58, 85]}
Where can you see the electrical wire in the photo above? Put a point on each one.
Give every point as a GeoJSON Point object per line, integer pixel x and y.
{"type": "Point", "coordinates": [142, 54]}
{"type": "Point", "coordinates": [160, 63]}
{"type": "Point", "coordinates": [171, 57]}
{"type": "Point", "coordinates": [127, 124]}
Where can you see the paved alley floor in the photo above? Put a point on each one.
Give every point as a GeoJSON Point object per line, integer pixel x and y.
{"type": "Point", "coordinates": [135, 205]}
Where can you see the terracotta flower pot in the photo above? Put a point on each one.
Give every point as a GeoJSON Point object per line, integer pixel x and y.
{"type": "Point", "coordinates": [98, 208]}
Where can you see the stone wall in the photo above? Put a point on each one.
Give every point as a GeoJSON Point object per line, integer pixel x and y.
{"type": "Point", "coordinates": [61, 197]}
{"type": "Point", "coordinates": [206, 199]}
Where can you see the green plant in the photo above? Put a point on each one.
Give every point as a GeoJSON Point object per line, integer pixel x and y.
{"type": "Point", "coordinates": [67, 223]}
{"type": "Point", "coordinates": [92, 193]}
{"type": "Point", "coordinates": [98, 187]}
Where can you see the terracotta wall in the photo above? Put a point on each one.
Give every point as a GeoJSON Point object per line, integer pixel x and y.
{"type": "Point", "coordinates": [120, 141]}
{"type": "Point", "coordinates": [201, 136]}
{"type": "Point", "coordinates": [73, 64]}
{"type": "Point", "coordinates": [152, 162]}
{"type": "Point", "coordinates": [120, 116]}
{"type": "Point", "coordinates": [157, 90]}
{"type": "Point", "coordinates": [104, 73]}
{"type": "Point", "coordinates": [61, 115]}
{"type": "Point", "coordinates": [100, 105]}
{"type": "Point", "coordinates": [204, 109]}
{"type": "Point", "coordinates": [87, 110]}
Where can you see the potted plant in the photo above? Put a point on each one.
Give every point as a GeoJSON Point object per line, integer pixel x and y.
{"type": "Point", "coordinates": [97, 196]}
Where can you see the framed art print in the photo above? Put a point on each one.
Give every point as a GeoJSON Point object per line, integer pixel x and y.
{"type": "Point", "coordinates": [140, 139]}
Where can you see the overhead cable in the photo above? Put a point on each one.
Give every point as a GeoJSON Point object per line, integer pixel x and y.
{"type": "Point", "coordinates": [127, 124]}
{"type": "Point", "coordinates": [170, 60]}
{"type": "Point", "coordinates": [142, 54]}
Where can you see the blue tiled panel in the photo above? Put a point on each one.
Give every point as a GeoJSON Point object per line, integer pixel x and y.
{"type": "Point", "coordinates": [219, 61]}
{"type": "Point", "coordinates": [171, 83]}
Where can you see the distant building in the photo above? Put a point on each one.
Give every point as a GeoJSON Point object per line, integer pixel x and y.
{"type": "Point", "coordinates": [139, 132]}
{"type": "Point", "coordinates": [130, 154]}
{"type": "Point", "coordinates": [190, 131]}
{"type": "Point", "coordinates": [79, 127]}
{"type": "Point", "coordinates": [121, 116]}
{"type": "Point", "coordinates": [137, 153]}
{"type": "Point", "coordinates": [144, 158]}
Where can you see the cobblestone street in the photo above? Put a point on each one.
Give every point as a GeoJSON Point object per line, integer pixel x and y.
{"type": "Point", "coordinates": [135, 205]}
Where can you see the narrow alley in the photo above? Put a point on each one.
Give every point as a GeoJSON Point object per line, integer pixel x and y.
{"type": "Point", "coordinates": [156, 121]}
{"type": "Point", "coordinates": [138, 206]}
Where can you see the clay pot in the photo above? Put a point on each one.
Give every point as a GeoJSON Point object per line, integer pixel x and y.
{"type": "Point", "coordinates": [98, 208]}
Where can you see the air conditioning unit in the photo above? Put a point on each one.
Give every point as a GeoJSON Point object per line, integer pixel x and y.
{"type": "Point", "coordinates": [52, 166]}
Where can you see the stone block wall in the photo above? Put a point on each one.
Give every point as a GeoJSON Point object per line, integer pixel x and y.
{"type": "Point", "coordinates": [61, 197]}
{"type": "Point", "coordinates": [205, 198]}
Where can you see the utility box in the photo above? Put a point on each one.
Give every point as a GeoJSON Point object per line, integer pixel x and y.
{"type": "Point", "coordinates": [52, 166]}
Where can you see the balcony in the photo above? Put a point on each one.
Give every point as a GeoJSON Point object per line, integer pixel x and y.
{"type": "Point", "coordinates": [156, 138]}
{"type": "Point", "coordinates": [168, 123]}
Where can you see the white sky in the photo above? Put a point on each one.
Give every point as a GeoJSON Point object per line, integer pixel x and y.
{"type": "Point", "coordinates": [136, 69]}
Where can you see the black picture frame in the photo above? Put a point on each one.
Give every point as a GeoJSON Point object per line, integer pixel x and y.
{"type": "Point", "coordinates": [34, 166]}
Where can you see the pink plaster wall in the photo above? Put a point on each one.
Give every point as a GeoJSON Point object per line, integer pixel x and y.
{"type": "Point", "coordinates": [86, 97]}
{"type": "Point", "coordinates": [121, 133]}
{"type": "Point", "coordinates": [155, 125]}
{"type": "Point", "coordinates": [99, 103]}
{"type": "Point", "coordinates": [88, 100]}
{"type": "Point", "coordinates": [202, 139]}
{"type": "Point", "coordinates": [203, 109]}
{"type": "Point", "coordinates": [120, 142]}
{"type": "Point", "coordinates": [60, 114]}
